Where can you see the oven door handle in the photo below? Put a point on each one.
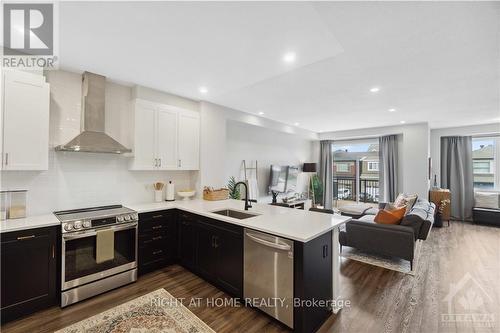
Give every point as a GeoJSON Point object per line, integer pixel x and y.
{"type": "Point", "coordinates": [89, 233]}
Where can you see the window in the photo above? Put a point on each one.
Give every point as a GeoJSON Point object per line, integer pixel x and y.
{"type": "Point", "coordinates": [356, 170]}
{"type": "Point", "coordinates": [342, 167]}
{"type": "Point", "coordinates": [372, 166]}
{"type": "Point", "coordinates": [482, 167]}
{"type": "Point", "coordinates": [485, 162]}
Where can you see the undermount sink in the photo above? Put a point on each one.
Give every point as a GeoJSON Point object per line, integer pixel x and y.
{"type": "Point", "coordinates": [234, 214]}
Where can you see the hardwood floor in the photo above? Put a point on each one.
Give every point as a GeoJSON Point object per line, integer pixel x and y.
{"type": "Point", "coordinates": [381, 300]}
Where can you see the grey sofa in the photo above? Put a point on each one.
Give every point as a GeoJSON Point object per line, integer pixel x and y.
{"type": "Point", "coordinates": [391, 240]}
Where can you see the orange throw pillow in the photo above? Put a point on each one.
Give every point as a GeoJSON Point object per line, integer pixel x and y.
{"type": "Point", "coordinates": [390, 216]}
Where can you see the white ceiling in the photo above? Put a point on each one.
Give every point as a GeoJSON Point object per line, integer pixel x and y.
{"type": "Point", "coordinates": [434, 62]}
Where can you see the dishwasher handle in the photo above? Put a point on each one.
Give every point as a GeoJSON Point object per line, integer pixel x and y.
{"type": "Point", "coordinates": [279, 246]}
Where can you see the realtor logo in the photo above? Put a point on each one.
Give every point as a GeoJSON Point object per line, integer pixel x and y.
{"type": "Point", "coordinates": [28, 29]}
{"type": "Point", "coordinates": [467, 304]}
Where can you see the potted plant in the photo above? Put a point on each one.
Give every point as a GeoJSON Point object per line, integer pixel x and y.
{"type": "Point", "coordinates": [234, 191]}
{"type": "Point", "coordinates": [438, 222]}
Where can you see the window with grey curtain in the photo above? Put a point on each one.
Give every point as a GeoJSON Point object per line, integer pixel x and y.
{"type": "Point", "coordinates": [388, 162]}
{"type": "Point", "coordinates": [326, 172]}
{"type": "Point", "coordinates": [457, 174]}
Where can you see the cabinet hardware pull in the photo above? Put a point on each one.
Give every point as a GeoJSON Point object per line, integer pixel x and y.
{"type": "Point", "coordinates": [157, 227]}
{"type": "Point", "coordinates": [156, 238]}
{"type": "Point", "coordinates": [179, 163]}
{"type": "Point", "coordinates": [157, 252]}
{"type": "Point", "coordinates": [325, 251]}
{"type": "Point", "coordinates": [216, 244]}
{"type": "Point", "coordinates": [157, 216]}
{"type": "Point", "coordinates": [25, 237]}
{"type": "Point", "coordinates": [160, 162]}
{"type": "Point", "coordinates": [6, 158]}
{"type": "Point", "coordinates": [53, 251]}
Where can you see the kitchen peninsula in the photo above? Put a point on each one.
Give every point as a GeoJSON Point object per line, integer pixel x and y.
{"type": "Point", "coordinates": [265, 252]}
{"type": "Point", "coordinates": [239, 255]}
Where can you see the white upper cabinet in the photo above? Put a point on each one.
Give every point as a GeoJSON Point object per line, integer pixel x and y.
{"type": "Point", "coordinates": [165, 137]}
{"type": "Point", "coordinates": [25, 121]}
{"type": "Point", "coordinates": [144, 137]}
{"type": "Point", "coordinates": [189, 141]}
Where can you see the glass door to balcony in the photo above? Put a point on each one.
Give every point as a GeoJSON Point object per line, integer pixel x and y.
{"type": "Point", "coordinates": [356, 171]}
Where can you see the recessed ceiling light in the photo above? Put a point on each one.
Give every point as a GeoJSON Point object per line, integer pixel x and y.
{"type": "Point", "coordinates": [289, 57]}
{"type": "Point", "coordinates": [261, 113]}
{"type": "Point", "coordinates": [203, 90]}
{"type": "Point", "coordinates": [374, 89]}
{"type": "Point", "coordinates": [297, 124]}
{"type": "Point", "coordinates": [402, 122]}
{"type": "Point", "coordinates": [392, 110]}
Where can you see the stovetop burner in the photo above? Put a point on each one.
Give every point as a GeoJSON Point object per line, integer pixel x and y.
{"type": "Point", "coordinates": [92, 217]}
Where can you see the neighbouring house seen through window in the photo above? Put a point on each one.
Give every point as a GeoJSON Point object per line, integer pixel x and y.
{"type": "Point", "coordinates": [485, 151]}
{"type": "Point", "coordinates": [356, 171]}
{"type": "Point", "coordinates": [372, 166]}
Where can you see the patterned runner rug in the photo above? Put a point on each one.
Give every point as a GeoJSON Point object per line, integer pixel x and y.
{"type": "Point", "coordinates": [155, 312]}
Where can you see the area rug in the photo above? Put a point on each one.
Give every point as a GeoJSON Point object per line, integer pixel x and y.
{"type": "Point", "coordinates": [152, 313]}
{"type": "Point", "coordinates": [395, 264]}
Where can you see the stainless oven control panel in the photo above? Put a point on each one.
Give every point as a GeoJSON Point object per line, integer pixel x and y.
{"type": "Point", "coordinates": [84, 224]}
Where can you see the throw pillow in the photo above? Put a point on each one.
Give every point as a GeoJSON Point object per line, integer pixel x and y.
{"type": "Point", "coordinates": [410, 201]}
{"type": "Point", "coordinates": [400, 200]}
{"type": "Point", "coordinates": [390, 216]}
{"type": "Point", "coordinates": [407, 200]}
{"type": "Point", "coordinates": [486, 200]}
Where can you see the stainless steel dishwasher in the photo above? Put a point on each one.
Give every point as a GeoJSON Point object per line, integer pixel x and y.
{"type": "Point", "coordinates": [268, 274]}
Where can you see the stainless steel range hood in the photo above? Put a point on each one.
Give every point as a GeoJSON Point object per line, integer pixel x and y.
{"type": "Point", "coordinates": [92, 139]}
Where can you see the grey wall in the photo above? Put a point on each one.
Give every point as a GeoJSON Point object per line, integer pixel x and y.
{"type": "Point", "coordinates": [267, 146]}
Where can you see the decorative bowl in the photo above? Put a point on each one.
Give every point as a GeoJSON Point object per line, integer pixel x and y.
{"type": "Point", "coordinates": [186, 194]}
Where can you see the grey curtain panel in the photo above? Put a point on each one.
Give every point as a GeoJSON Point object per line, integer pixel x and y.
{"type": "Point", "coordinates": [388, 167]}
{"type": "Point", "coordinates": [326, 172]}
{"type": "Point", "coordinates": [456, 174]}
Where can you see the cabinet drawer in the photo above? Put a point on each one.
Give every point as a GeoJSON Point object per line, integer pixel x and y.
{"type": "Point", "coordinates": [157, 239]}
{"type": "Point", "coordinates": [24, 234]}
{"type": "Point", "coordinates": [152, 253]}
{"type": "Point", "coordinates": [153, 265]}
{"type": "Point", "coordinates": [149, 233]}
{"type": "Point", "coordinates": [159, 215]}
{"type": "Point", "coordinates": [188, 217]}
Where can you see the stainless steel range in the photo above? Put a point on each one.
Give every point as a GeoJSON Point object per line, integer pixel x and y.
{"type": "Point", "coordinates": [99, 251]}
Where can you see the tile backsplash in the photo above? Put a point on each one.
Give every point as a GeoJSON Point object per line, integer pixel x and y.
{"type": "Point", "coordinates": [77, 180]}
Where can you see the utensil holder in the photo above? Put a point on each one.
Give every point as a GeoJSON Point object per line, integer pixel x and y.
{"type": "Point", "coordinates": [158, 195]}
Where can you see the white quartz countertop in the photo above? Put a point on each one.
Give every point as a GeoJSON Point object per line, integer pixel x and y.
{"type": "Point", "coordinates": [296, 224]}
{"type": "Point", "coordinates": [31, 222]}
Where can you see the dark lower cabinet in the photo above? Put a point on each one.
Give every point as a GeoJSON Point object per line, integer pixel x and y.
{"type": "Point", "coordinates": [206, 251]}
{"type": "Point", "coordinates": [312, 282]}
{"type": "Point", "coordinates": [187, 240]}
{"type": "Point", "coordinates": [229, 262]}
{"type": "Point", "coordinates": [157, 240]}
{"type": "Point", "coordinates": [29, 267]}
{"type": "Point", "coordinates": [213, 250]}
